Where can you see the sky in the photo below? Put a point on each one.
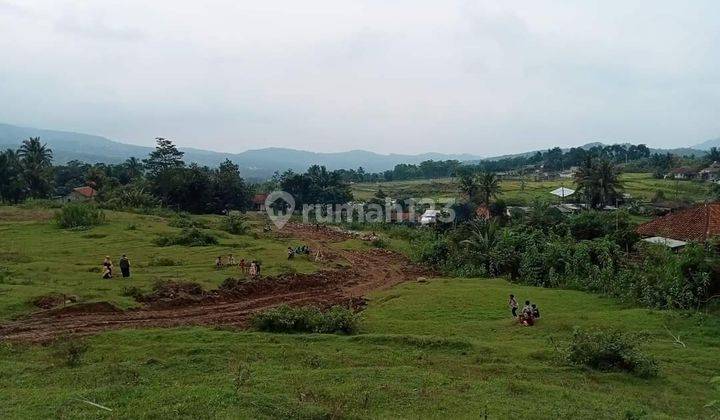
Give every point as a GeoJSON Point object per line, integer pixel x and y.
{"type": "Point", "coordinates": [399, 76]}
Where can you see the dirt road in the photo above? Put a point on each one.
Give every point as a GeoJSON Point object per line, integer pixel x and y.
{"type": "Point", "coordinates": [362, 272]}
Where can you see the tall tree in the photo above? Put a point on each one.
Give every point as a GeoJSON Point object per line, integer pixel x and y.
{"type": "Point", "coordinates": [598, 182]}
{"type": "Point", "coordinates": [165, 156]}
{"type": "Point", "coordinates": [11, 182]}
{"type": "Point", "coordinates": [488, 186]}
{"type": "Point", "coordinates": [36, 159]}
{"type": "Point", "coordinates": [134, 167]}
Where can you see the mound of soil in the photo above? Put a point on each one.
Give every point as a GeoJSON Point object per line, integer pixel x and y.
{"type": "Point", "coordinates": [53, 300]}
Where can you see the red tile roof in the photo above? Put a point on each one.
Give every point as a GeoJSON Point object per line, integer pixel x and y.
{"type": "Point", "coordinates": [88, 192]}
{"type": "Point", "coordinates": [694, 224]}
{"type": "Point", "coordinates": [259, 198]}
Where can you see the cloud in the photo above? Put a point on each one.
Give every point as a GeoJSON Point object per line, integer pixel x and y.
{"type": "Point", "coordinates": [460, 76]}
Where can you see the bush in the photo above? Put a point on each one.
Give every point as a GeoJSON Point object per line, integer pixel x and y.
{"type": "Point", "coordinates": [308, 319]}
{"type": "Point", "coordinates": [187, 237]}
{"type": "Point", "coordinates": [235, 224]}
{"type": "Point", "coordinates": [72, 351]}
{"type": "Point", "coordinates": [610, 350]}
{"type": "Point", "coordinates": [133, 292]}
{"type": "Point", "coordinates": [184, 221]}
{"type": "Point", "coordinates": [79, 215]}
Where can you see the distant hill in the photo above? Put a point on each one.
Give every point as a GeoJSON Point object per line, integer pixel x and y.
{"type": "Point", "coordinates": [680, 151]}
{"type": "Point", "coordinates": [707, 144]}
{"type": "Point", "coordinates": [258, 163]}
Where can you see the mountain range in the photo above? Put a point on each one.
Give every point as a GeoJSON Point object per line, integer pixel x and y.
{"type": "Point", "coordinates": [259, 163]}
{"type": "Point", "coordinates": [254, 164]}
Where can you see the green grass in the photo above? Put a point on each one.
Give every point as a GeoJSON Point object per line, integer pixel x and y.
{"type": "Point", "coordinates": [445, 348]}
{"type": "Point", "coordinates": [37, 258]}
{"type": "Point", "coordinates": [639, 185]}
{"type": "Point", "coordinates": [442, 348]}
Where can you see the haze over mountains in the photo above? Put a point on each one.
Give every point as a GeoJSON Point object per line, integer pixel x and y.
{"type": "Point", "coordinates": [258, 163]}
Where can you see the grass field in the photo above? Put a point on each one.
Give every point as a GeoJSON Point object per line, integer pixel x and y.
{"type": "Point", "coordinates": [37, 258]}
{"type": "Point", "coordinates": [441, 348]}
{"type": "Point", "coordinates": [638, 185]}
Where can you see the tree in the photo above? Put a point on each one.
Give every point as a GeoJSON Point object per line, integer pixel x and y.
{"type": "Point", "coordinates": [467, 185]}
{"type": "Point", "coordinates": [230, 191]}
{"type": "Point", "coordinates": [134, 168]}
{"type": "Point", "coordinates": [11, 183]}
{"type": "Point", "coordinates": [165, 156]}
{"type": "Point", "coordinates": [488, 186]}
{"type": "Point", "coordinates": [36, 161]}
{"type": "Point", "coordinates": [598, 182]}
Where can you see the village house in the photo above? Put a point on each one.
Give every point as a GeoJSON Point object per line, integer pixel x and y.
{"type": "Point", "coordinates": [696, 224]}
{"type": "Point", "coordinates": [683, 172]}
{"type": "Point", "coordinates": [258, 202]}
{"type": "Point", "coordinates": [711, 173]}
{"type": "Point", "coordinates": [81, 194]}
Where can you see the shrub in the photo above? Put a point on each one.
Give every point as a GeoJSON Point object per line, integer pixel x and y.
{"type": "Point", "coordinates": [184, 221]}
{"type": "Point", "coordinates": [187, 237]}
{"type": "Point", "coordinates": [308, 319]}
{"type": "Point", "coordinates": [72, 351]}
{"type": "Point", "coordinates": [79, 215]}
{"type": "Point", "coordinates": [133, 292]}
{"type": "Point", "coordinates": [235, 224]}
{"type": "Point", "coordinates": [610, 350]}
{"type": "Point", "coordinates": [378, 242]}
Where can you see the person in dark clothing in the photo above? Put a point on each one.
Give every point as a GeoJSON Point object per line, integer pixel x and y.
{"type": "Point", "coordinates": [536, 311]}
{"type": "Point", "coordinates": [290, 253]}
{"type": "Point", "coordinates": [125, 266]}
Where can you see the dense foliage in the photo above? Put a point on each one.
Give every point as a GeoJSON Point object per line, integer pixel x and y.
{"type": "Point", "coordinates": [610, 350]}
{"type": "Point", "coordinates": [79, 215]}
{"type": "Point", "coordinates": [308, 319]}
{"type": "Point", "coordinates": [187, 237]}
{"type": "Point", "coordinates": [588, 251]}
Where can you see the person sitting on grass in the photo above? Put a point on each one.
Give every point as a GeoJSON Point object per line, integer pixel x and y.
{"type": "Point", "coordinates": [536, 311]}
{"type": "Point", "coordinates": [513, 305]}
{"type": "Point", "coordinates": [253, 269]}
{"type": "Point", "coordinates": [526, 317]}
{"type": "Point", "coordinates": [231, 260]}
{"type": "Point", "coordinates": [291, 253]}
{"type": "Point", "coordinates": [219, 263]}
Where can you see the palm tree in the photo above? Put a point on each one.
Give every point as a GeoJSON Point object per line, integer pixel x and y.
{"type": "Point", "coordinates": [488, 186]}
{"type": "Point", "coordinates": [134, 167]}
{"type": "Point", "coordinates": [467, 185]}
{"type": "Point", "coordinates": [598, 182]}
{"type": "Point", "coordinates": [36, 159]}
{"type": "Point", "coordinates": [11, 184]}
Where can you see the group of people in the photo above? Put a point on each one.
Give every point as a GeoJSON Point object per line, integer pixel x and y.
{"type": "Point", "coordinates": [529, 314]}
{"type": "Point", "coordinates": [301, 250]}
{"type": "Point", "coordinates": [251, 268]}
{"type": "Point", "coordinates": [107, 272]}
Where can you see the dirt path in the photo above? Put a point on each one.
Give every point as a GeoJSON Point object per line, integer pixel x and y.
{"type": "Point", "coordinates": [364, 271]}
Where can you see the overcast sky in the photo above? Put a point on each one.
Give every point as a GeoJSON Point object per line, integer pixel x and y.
{"type": "Point", "coordinates": [406, 76]}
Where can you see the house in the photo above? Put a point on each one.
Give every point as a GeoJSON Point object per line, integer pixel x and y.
{"type": "Point", "coordinates": [697, 224]}
{"type": "Point", "coordinates": [258, 202]}
{"type": "Point", "coordinates": [683, 172]}
{"type": "Point", "coordinates": [711, 173]}
{"type": "Point", "coordinates": [429, 217]}
{"type": "Point", "coordinates": [81, 194]}
{"type": "Point", "coordinates": [670, 243]}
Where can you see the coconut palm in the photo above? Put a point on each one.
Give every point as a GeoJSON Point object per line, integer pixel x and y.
{"type": "Point", "coordinates": [598, 182]}
{"type": "Point", "coordinates": [36, 159]}
{"type": "Point", "coordinates": [488, 186]}
{"type": "Point", "coordinates": [134, 167]}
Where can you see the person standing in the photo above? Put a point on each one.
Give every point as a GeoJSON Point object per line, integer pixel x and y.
{"type": "Point", "coordinates": [107, 268]}
{"type": "Point", "coordinates": [125, 266]}
{"type": "Point", "coordinates": [253, 269]}
{"type": "Point", "coordinates": [513, 305]}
